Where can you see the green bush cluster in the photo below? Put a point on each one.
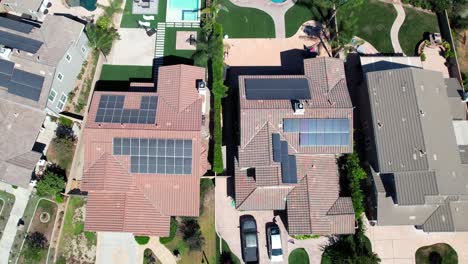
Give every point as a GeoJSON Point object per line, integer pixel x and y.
{"type": "Point", "coordinates": [304, 237]}
{"type": "Point", "coordinates": [63, 121]}
{"type": "Point", "coordinates": [172, 232]}
{"type": "Point", "coordinates": [50, 185]}
{"type": "Point", "coordinates": [142, 240]}
{"type": "Point", "coordinates": [355, 174]}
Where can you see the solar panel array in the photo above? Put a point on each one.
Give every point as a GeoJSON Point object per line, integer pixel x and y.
{"type": "Point", "coordinates": [161, 156]}
{"type": "Point", "coordinates": [19, 42]}
{"type": "Point", "coordinates": [111, 110]}
{"type": "Point", "coordinates": [277, 89]}
{"type": "Point", "coordinates": [288, 162]}
{"type": "Point", "coordinates": [320, 132]}
{"type": "Point", "coordinates": [19, 82]}
{"type": "Point", "coordinates": [15, 25]}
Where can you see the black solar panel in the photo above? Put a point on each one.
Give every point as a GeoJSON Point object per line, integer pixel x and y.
{"type": "Point", "coordinates": [6, 67]}
{"type": "Point", "coordinates": [319, 132]}
{"type": "Point", "coordinates": [161, 156]}
{"type": "Point", "coordinates": [288, 162]}
{"type": "Point", "coordinates": [276, 147]}
{"type": "Point", "coordinates": [277, 89]}
{"type": "Point", "coordinates": [111, 110]}
{"type": "Point", "coordinates": [15, 25]}
{"type": "Point", "coordinates": [19, 42]}
{"type": "Point", "coordinates": [27, 78]}
{"type": "Point", "coordinates": [19, 82]}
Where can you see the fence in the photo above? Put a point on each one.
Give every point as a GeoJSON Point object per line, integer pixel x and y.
{"type": "Point", "coordinates": [446, 32]}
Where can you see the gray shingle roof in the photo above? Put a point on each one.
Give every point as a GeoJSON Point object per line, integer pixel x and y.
{"type": "Point", "coordinates": [412, 187]}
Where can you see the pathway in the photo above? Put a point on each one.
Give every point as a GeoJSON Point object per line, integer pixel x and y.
{"type": "Point", "coordinates": [396, 28]}
{"type": "Point", "coordinates": [275, 10]}
{"type": "Point", "coordinates": [162, 253]}
{"type": "Point", "coordinates": [8, 236]}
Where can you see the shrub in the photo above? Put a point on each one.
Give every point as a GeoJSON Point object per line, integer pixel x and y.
{"type": "Point", "coordinates": [354, 175]}
{"type": "Point", "coordinates": [303, 237]}
{"type": "Point", "coordinates": [142, 240]}
{"type": "Point", "coordinates": [172, 232]}
{"type": "Point", "coordinates": [50, 184]}
{"type": "Point", "coordinates": [64, 151]}
{"type": "Point", "coordinates": [104, 22]}
{"type": "Point", "coordinates": [423, 56]}
{"type": "Point", "coordinates": [63, 121]}
{"type": "Point", "coordinates": [191, 233]}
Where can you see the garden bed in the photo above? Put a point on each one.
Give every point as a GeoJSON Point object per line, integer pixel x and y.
{"type": "Point", "coordinates": [43, 222]}
{"type": "Point", "coordinates": [7, 200]}
{"type": "Point", "coordinates": [76, 245]}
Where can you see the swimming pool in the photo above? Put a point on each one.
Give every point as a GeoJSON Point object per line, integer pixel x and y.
{"type": "Point", "coordinates": [183, 10]}
{"type": "Point", "coordinates": [90, 5]}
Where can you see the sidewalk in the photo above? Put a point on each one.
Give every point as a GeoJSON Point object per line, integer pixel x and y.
{"type": "Point", "coordinates": [396, 28]}
{"type": "Point", "coordinates": [8, 236]}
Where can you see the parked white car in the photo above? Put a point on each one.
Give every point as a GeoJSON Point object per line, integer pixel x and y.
{"type": "Point", "coordinates": [275, 250]}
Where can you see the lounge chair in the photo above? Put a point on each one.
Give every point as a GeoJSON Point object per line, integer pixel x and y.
{"type": "Point", "coordinates": [144, 24]}
{"type": "Point", "coordinates": [148, 18]}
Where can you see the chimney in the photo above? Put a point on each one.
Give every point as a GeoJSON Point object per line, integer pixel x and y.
{"type": "Point", "coordinates": [298, 107]}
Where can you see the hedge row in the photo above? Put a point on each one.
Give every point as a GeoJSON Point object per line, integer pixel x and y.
{"type": "Point", "coordinates": [355, 175]}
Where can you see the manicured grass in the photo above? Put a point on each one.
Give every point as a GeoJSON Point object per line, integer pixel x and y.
{"type": "Point", "coordinates": [73, 233]}
{"type": "Point", "coordinates": [130, 20]}
{"type": "Point", "coordinates": [7, 200]}
{"type": "Point", "coordinates": [374, 20]}
{"type": "Point", "coordinates": [170, 52]}
{"type": "Point", "coordinates": [448, 255]}
{"type": "Point", "coordinates": [300, 13]}
{"type": "Point", "coordinates": [413, 29]}
{"type": "Point", "coordinates": [242, 22]}
{"type": "Point", "coordinates": [125, 72]}
{"type": "Point", "coordinates": [298, 256]}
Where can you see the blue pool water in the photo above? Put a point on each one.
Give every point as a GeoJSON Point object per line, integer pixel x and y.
{"type": "Point", "coordinates": [278, 1]}
{"type": "Point", "coordinates": [189, 15]}
{"type": "Point", "coordinates": [90, 5]}
{"type": "Point", "coordinates": [184, 4]}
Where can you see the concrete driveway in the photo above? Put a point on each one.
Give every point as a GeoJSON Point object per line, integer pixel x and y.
{"type": "Point", "coordinates": [116, 248]}
{"type": "Point", "coordinates": [398, 244]}
{"type": "Point", "coordinates": [227, 226]}
{"type": "Point", "coordinates": [133, 48]}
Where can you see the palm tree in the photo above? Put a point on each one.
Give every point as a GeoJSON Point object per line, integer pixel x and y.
{"type": "Point", "coordinates": [101, 39]}
{"type": "Point", "coordinates": [214, 9]}
{"type": "Point", "coordinates": [114, 7]}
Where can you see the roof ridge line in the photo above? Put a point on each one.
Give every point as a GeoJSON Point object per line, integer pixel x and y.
{"type": "Point", "coordinates": [250, 140]}
{"type": "Point", "coordinates": [254, 189]}
{"type": "Point", "coordinates": [308, 202]}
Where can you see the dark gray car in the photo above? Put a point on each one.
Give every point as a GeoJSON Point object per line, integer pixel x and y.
{"type": "Point", "coordinates": [249, 239]}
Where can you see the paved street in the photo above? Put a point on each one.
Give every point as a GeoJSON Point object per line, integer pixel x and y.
{"type": "Point", "coordinates": [8, 236]}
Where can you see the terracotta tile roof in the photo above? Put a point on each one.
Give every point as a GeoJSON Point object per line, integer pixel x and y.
{"type": "Point", "coordinates": [143, 203]}
{"type": "Point", "coordinates": [258, 180]}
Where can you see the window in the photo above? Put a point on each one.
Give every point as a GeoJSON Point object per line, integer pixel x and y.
{"type": "Point", "coordinates": [62, 101]}
{"type": "Point", "coordinates": [52, 95]}
{"type": "Point", "coordinates": [83, 49]}
{"type": "Point", "coordinates": [68, 57]}
{"type": "Point", "coordinates": [60, 76]}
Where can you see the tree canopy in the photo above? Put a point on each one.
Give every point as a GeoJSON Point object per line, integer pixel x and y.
{"type": "Point", "coordinates": [50, 184]}
{"type": "Point", "coordinates": [101, 39]}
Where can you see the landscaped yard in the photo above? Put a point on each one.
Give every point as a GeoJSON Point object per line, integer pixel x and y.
{"type": "Point", "coordinates": [374, 20]}
{"type": "Point", "coordinates": [226, 255]}
{"type": "Point", "coordinates": [206, 222]}
{"type": "Point", "coordinates": [125, 72]}
{"type": "Point", "coordinates": [173, 56]}
{"type": "Point", "coordinates": [242, 22]}
{"type": "Point", "coordinates": [413, 29]}
{"type": "Point", "coordinates": [43, 222]}
{"type": "Point", "coordinates": [61, 152]}
{"type": "Point", "coordinates": [298, 256]}
{"type": "Point", "coordinates": [300, 13]}
{"type": "Point", "coordinates": [7, 200]}
{"type": "Point", "coordinates": [130, 20]}
{"type": "Point", "coordinates": [76, 245]}
{"type": "Point", "coordinates": [437, 253]}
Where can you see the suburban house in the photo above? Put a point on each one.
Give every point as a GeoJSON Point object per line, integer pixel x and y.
{"type": "Point", "coordinates": [34, 9]}
{"type": "Point", "coordinates": [292, 129]}
{"type": "Point", "coordinates": [56, 47]}
{"type": "Point", "coordinates": [145, 153]}
{"type": "Point", "coordinates": [410, 118]}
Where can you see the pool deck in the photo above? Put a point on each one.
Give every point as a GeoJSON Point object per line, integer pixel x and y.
{"type": "Point", "coordinates": [275, 10]}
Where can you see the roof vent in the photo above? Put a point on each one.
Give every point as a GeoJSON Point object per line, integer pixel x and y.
{"type": "Point", "coordinates": [421, 112]}
{"type": "Point", "coordinates": [298, 108]}
{"type": "Point", "coordinates": [422, 152]}
{"type": "Point", "coordinates": [379, 124]}
{"type": "Point", "coordinates": [201, 85]}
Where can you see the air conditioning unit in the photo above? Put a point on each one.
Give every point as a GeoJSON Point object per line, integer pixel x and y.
{"type": "Point", "coordinates": [298, 108]}
{"type": "Point", "coordinates": [201, 85]}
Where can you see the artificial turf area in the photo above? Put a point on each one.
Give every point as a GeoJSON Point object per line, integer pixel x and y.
{"type": "Point", "coordinates": [415, 25]}
{"type": "Point", "coordinates": [243, 22]}
{"type": "Point", "coordinates": [373, 20]}
{"type": "Point", "coordinates": [130, 20]}
{"type": "Point", "coordinates": [298, 256]}
{"type": "Point", "coordinates": [300, 13]}
{"type": "Point", "coordinates": [173, 56]}
{"type": "Point", "coordinates": [125, 72]}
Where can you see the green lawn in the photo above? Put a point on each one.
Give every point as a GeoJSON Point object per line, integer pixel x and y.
{"type": "Point", "coordinates": [131, 21]}
{"type": "Point", "coordinates": [125, 72]}
{"type": "Point", "coordinates": [7, 200]}
{"type": "Point", "coordinates": [415, 25]}
{"type": "Point", "coordinates": [171, 55]}
{"type": "Point", "coordinates": [448, 255]}
{"type": "Point", "coordinates": [298, 256]}
{"type": "Point", "coordinates": [374, 20]}
{"type": "Point", "coordinates": [242, 22]}
{"type": "Point", "coordinates": [298, 14]}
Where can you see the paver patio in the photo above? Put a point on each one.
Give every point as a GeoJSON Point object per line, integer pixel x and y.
{"type": "Point", "coordinates": [133, 48]}
{"type": "Point", "coordinates": [398, 244]}
{"type": "Point", "coordinates": [435, 61]}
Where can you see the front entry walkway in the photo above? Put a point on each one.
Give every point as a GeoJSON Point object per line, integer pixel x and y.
{"type": "Point", "coordinates": [275, 10]}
